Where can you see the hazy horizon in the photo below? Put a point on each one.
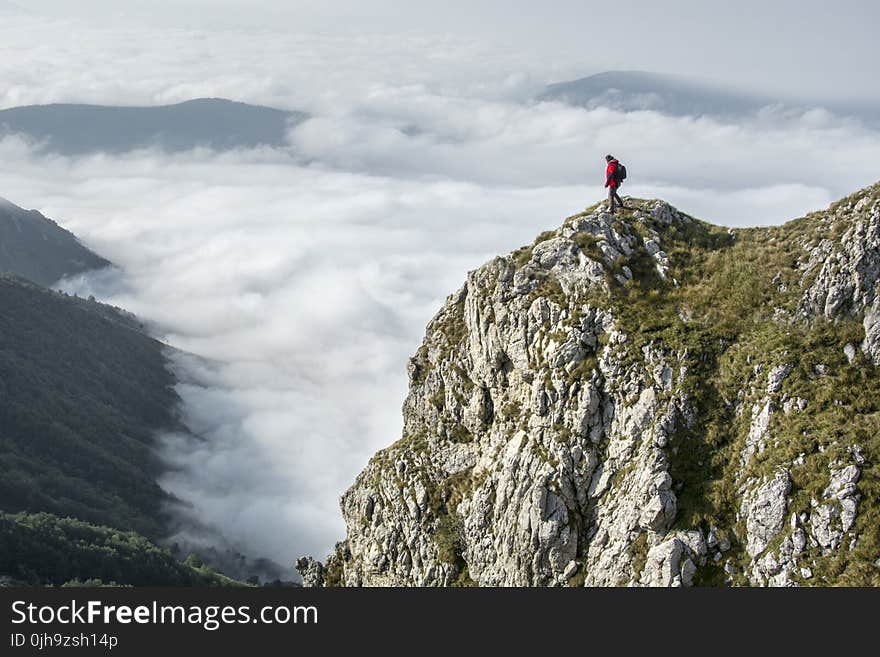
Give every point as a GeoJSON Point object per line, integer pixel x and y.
{"type": "Point", "coordinates": [807, 49]}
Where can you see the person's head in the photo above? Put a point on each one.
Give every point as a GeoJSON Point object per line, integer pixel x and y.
{"type": "Point", "coordinates": [608, 158]}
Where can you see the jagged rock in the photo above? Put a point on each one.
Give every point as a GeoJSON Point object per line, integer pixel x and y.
{"type": "Point", "coordinates": [843, 497]}
{"type": "Point", "coordinates": [762, 413]}
{"type": "Point", "coordinates": [857, 454]}
{"type": "Point", "coordinates": [822, 524]}
{"type": "Point", "coordinates": [764, 512]}
{"type": "Point", "coordinates": [674, 561]}
{"type": "Point", "coordinates": [758, 429]}
{"type": "Point", "coordinates": [843, 482]}
{"type": "Point", "coordinates": [849, 269]}
{"type": "Point", "coordinates": [712, 538]}
{"type": "Point", "coordinates": [664, 564]}
{"type": "Point", "coordinates": [776, 376]}
{"type": "Point", "coordinates": [554, 436]}
{"type": "Point", "coordinates": [871, 345]}
{"type": "Point", "coordinates": [311, 571]}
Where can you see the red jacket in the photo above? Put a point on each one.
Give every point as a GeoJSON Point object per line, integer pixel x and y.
{"type": "Point", "coordinates": [610, 179]}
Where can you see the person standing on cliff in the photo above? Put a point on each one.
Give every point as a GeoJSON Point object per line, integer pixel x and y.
{"type": "Point", "coordinates": [613, 179]}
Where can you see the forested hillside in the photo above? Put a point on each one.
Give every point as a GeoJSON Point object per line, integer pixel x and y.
{"type": "Point", "coordinates": [82, 392]}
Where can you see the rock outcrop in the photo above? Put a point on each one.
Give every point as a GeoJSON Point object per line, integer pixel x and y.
{"type": "Point", "coordinates": [642, 400]}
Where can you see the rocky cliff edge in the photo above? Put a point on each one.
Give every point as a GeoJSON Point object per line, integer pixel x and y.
{"type": "Point", "coordinates": [641, 400]}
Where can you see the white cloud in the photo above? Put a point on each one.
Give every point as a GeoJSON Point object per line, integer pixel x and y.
{"type": "Point", "coordinates": [307, 278]}
{"type": "Point", "coordinates": [47, 61]}
{"type": "Point", "coordinates": [308, 288]}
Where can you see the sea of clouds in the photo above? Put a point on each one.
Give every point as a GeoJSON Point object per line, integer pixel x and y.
{"type": "Point", "coordinates": [296, 282]}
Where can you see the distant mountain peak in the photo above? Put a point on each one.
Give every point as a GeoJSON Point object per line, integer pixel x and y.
{"type": "Point", "coordinates": [642, 90]}
{"type": "Point", "coordinates": [676, 95]}
{"type": "Point", "coordinates": [217, 123]}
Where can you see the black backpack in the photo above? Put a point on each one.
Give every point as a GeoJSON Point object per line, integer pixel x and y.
{"type": "Point", "coordinates": [620, 172]}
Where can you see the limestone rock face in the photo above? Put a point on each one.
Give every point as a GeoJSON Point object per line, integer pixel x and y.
{"type": "Point", "coordinates": [312, 571]}
{"type": "Point", "coordinates": [764, 510]}
{"type": "Point", "coordinates": [635, 401]}
{"type": "Point", "coordinates": [847, 271]}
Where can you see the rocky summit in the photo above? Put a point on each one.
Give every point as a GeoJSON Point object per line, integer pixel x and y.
{"type": "Point", "coordinates": [639, 400]}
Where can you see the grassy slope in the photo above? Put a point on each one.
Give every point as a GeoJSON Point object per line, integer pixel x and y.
{"type": "Point", "coordinates": [731, 287]}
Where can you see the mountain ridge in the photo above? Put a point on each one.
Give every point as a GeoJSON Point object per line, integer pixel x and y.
{"type": "Point", "coordinates": [643, 400]}
{"type": "Point", "coordinates": [676, 95]}
{"type": "Point", "coordinates": [218, 123]}
{"type": "Point", "coordinates": [37, 248]}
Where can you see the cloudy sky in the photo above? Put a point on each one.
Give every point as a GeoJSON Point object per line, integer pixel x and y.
{"type": "Point", "coordinates": [805, 47]}
{"type": "Point", "coordinates": [305, 276]}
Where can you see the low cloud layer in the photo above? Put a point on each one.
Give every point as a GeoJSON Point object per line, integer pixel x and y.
{"type": "Point", "coordinates": [305, 288]}
{"type": "Point", "coordinates": [301, 280]}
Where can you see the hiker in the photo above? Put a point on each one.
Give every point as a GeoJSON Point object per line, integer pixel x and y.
{"type": "Point", "coordinates": [615, 172]}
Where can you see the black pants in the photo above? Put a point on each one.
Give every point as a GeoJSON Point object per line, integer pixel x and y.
{"type": "Point", "coordinates": [612, 197]}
